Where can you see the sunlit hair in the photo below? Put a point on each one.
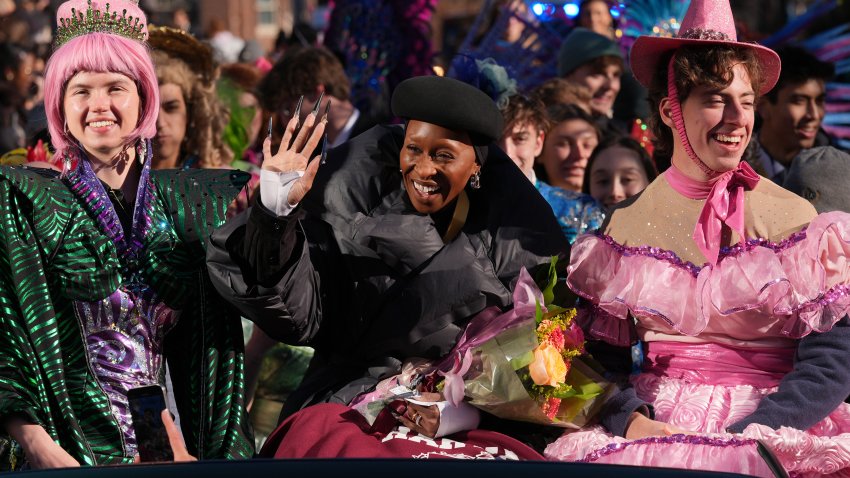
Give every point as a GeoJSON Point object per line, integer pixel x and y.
{"type": "Point", "coordinates": [522, 110]}
{"type": "Point", "coordinates": [100, 53]}
{"type": "Point", "coordinates": [206, 116]}
{"type": "Point", "coordinates": [710, 66]}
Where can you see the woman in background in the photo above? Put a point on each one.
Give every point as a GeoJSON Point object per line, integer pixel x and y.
{"type": "Point", "coordinates": [618, 169]}
{"type": "Point", "coordinates": [192, 119]}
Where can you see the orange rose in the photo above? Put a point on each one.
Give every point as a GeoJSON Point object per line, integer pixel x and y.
{"type": "Point", "coordinates": [548, 367]}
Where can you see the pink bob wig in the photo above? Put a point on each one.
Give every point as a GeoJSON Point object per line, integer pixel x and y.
{"type": "Point", "coordinates": [102, 53]}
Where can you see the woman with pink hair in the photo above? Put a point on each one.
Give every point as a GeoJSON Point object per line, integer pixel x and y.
{"type": "Point", "coordinates": [102, 279]}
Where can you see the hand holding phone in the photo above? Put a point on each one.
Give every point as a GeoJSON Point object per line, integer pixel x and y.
{"type": "Point", "coordinates": [146, 407]}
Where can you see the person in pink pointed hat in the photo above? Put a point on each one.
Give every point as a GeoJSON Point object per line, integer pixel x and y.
{"type": "Point", "coordinates": [731, 292]}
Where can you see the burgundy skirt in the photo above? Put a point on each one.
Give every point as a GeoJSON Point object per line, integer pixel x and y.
{"type": "Point", "coordinates": [336, 431]}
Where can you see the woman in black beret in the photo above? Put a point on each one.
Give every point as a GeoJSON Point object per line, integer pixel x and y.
{"type": "Point", "coordinates": [380, 253]}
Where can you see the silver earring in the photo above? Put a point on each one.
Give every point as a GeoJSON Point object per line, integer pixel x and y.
{"type": "Point", "coordinates": [143, 151]}
{"type": "Point", "coordinates": [66, 165]}
{"type": "Point", "coordinates": [475, 180]}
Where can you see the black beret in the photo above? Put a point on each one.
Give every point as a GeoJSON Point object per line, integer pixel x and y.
{"type": "Point", "coordinates": [451, 104]}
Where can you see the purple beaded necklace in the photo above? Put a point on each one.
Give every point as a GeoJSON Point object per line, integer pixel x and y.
{"type": "Point", "coordinates": [85, 184]}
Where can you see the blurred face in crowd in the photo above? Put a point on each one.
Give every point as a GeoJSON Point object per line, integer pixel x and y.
{"type": "Point", "coordinates": [719, 124]}
{"type": "Point", "coordinates": [565, 153]}
{"type": "Point", "coordinates": [248, 100]}
{"type": "Point", "coordinates": [101, 110]}
{"type": "Point", "coordinates": [792, 123]}
{"type": "Point", "coordinates": [436, 164]}
{"type": "Point", "coordinates": [170, 125]}
{"type": "Point", "coordinates": [596, 16]}
{"type": "Point", "coordinates": [603, 84]}
{"type": "Point", "coordinates": [515, 26]}
{"type": "Point", "coordinates": [522, 143]}
{"type": "Point", "coordinates": [616, 174]}
{"type": "Point", "coordinates": [22, 76]}
{"type": "Point", "coordinates": [287, 108]}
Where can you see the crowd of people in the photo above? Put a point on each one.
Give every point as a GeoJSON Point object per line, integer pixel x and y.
{"type": "Point", "coordinates": [157, 191]}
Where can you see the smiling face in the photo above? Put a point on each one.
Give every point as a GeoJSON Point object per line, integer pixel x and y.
{"type": "Point", "coordinates": [719, 124]}
{"type": "Point", "coordinates": [436, 164]}
{"type": "Point", "coordinates": [566, 150]}
{"type": "Point", "coordinates": [792, 122]}
{"type": "Point", "coordinates": [101, 110]}
{"type": "Point", "coordinates": [616, 175]}
{"type": "Point", "coordinates": [170, 125]}
{"type": "Point", "coordinates": [596, 16]}
{"type": "Point", "coordinates": [603, 82]}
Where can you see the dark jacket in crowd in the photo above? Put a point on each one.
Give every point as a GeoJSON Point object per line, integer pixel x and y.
{"type": "Point", "coordinates": [358, 274]}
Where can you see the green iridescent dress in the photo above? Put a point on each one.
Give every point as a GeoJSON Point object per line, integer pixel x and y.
{"type": "Point", "coordinates": [56, 261]}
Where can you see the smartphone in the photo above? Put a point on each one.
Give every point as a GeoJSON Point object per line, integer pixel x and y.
{"type": "Point", "coordinates": [146, 406]}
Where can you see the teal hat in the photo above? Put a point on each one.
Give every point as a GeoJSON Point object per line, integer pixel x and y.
{"type": "Point", "coordinates": [581, 46]}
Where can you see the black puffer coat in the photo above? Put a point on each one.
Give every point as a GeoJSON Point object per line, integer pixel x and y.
{"type": "Point", "coordinates": [363, 278]}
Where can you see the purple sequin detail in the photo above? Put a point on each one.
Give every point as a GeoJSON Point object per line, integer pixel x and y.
{"type": "Point", "coordinates": [124, 340]}
{"type": "Point", "coordinates": [729, 251]}
{"type": "Point", "coordinates": [751, 244]}
{"type": "Point", "coordinates": [83, 181]}
{"type": "Point", "coordinates": [649, 251]}
{"type": "Point", "coordinates": [682, 439]}
{"type": "Point", "coordinates": [834, 294]}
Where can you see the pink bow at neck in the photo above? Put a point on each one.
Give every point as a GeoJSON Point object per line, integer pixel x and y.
{"type": "Point", "coordinates": [724, 204]}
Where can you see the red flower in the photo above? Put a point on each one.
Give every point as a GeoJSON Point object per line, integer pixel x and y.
{"type": "Point", "coordinates": [550, 407]}
{"type": "Point", "coordinates": [556, 338]}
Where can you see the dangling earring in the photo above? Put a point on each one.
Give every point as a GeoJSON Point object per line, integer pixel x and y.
{"type": "Point", "coordinates": [66, 165]}
{"type": "Point", "coordinates": [142, 151]}
{"type": "Point", "coordinates": [475, 180]}
{"type": "Point", "coordinates": [66, 130]}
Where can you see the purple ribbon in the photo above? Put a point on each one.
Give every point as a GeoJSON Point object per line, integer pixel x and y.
{"type": "Point", "coordinates": [489, 323]}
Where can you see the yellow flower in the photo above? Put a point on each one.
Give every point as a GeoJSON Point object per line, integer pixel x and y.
{"type": "Point", "coordinates": [548, 367]}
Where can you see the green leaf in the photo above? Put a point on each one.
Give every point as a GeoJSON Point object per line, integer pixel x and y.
{"type": "Point", "coordinates": [538, 312]}
{"type": "Point", "coordinates": [548, 292]}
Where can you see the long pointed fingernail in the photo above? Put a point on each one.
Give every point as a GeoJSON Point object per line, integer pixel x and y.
{"type": "Point", "coordinates": [327, 111]}
{"type": "Point", "coordinates": [325, 147]}
{"type": "Point", "coordinates": [297, 113]}
{"type": "Point", "coordinates": [318, 104]}
{"type": "Point", "coordinates": [270, 126]}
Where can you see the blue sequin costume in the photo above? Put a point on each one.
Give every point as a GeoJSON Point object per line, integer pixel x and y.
{"type": "Point", "coordinates": [577, 213]}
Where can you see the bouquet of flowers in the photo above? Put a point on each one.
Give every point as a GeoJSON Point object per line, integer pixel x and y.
{"type": "Point", "coordinates": [527, 364]}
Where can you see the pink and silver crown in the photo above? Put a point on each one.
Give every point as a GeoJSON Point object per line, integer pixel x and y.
{"type": "Point", "coordinates": [97, 20]}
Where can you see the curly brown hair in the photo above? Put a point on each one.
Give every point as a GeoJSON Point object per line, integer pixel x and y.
{"type": "Point", "coordinates": [206, 115]}
{"type": "Point", "coordinates": [522, 110]}
{"type": "Point", "coordinates": [710, 66]}
{"type": "Point", "coordinates": [300, 73]}
{"type": "Point", "coordinates": [561, 91]}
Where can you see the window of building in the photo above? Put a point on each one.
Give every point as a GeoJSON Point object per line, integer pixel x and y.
{"type": "Point", "coordinates": [266, 12]}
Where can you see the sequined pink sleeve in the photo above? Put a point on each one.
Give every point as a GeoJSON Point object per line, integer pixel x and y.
{"type": "Point", "coordinates": [802, 282]}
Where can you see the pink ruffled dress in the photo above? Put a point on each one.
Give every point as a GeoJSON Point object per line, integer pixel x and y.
{"type": "Point", "coordinates": [718, 340]}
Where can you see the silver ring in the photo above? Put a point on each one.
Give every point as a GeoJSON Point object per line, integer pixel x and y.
{"type": "Point", "coordinates": [418, 420]}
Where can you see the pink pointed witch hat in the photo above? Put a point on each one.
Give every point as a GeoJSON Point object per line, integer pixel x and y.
{"type": "Point", "coordinates": [707, 22]}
